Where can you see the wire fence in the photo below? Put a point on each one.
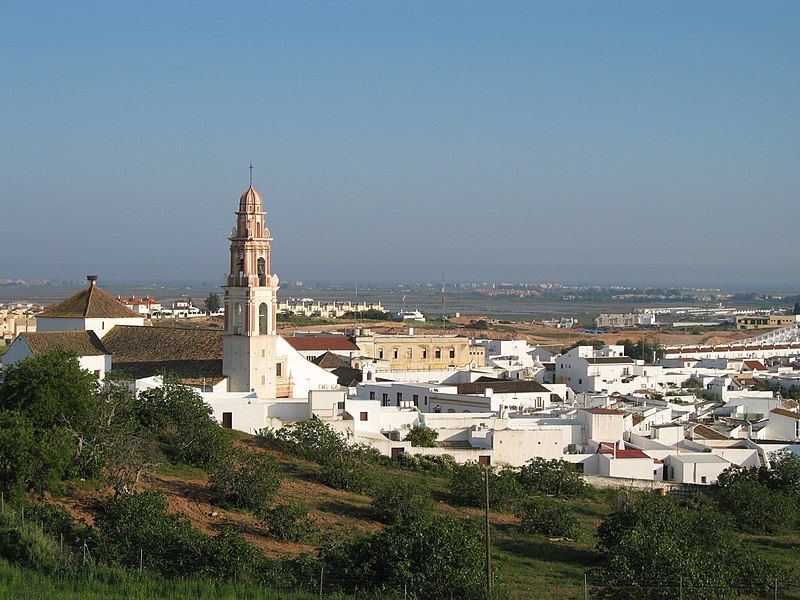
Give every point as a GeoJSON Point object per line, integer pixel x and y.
{"type": "Point", "coordinates": [325, 582]}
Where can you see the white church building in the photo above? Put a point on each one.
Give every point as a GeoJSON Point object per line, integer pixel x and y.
{"type": "Point", "coordinates": [251, 377]}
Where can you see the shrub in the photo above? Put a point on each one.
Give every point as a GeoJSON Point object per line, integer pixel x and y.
{"type": "Point", "coordinates": [758, 509]}
{"type": "Point", "coordinates": [27, 544]}
{"type": "Point", "coordinates": [130, 523]}
{"type": "Point", "coordinates": [345, 472]}
{"type": "Point", "coordinates": [422, 437]}
{"type": "Point", "coordinates": [246, 479]}
{"type": "Point", "coordinates": [691, 540]}
{"type": "Point", "coordinates": [435, 557]}
{"type": "Point", "coordinates": [467, 486]}
{"type": "Point", "coordinates": [182, 424]}
{"type": "Point", "coordinates": [399, 500]}
{"type": "Point", "coordinates": [290, 521]}
{"type": "Point", "coordinates": [553, 478]}
{"type": "Point", "coordinates": [547, 516]}
{"type": "Point", "coordinates": [310, 438]}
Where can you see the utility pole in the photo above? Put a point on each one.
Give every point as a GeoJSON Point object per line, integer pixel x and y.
{"type": "Point", "coordinates": [488, 549]}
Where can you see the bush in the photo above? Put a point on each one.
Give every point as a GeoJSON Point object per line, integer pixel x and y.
{"type": "Point", "coordinates": [547, 516]}
{"type": "Point", "coordinates": [399, 500]}
{"type": "Point", "coordinates": [27, 544]}
{"type": "Point", "coordinates": [310, 438]}
{"type": "Point", "coordinates": [692, 540]}
{"type": "Point", "coordinates": [552, 478]}
{"type": "Point", "coordinates": [290, 521]}
{"type": "Point", "coordinates": [422, 437]}
{"type": "Point", "coordinates": [182, 424]}
{"type": "Point", "coordinates": [346, 472]}
{"type": "Point", "coordinates": [54, 520]}
{"type": "Point", "coordinates": [467, 486]}
{"type": "Point", "coordinates": [436, 557]}
{"type": "Point", "coordinates": [758, 509]}
{"type": "Point", "coordinates": [246, 479]}
{"type": "Point", "coordinates": [131, 523]}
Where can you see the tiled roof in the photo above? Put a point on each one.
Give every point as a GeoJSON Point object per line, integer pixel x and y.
{"type": "Point", "coordinates": [321, 342]}
{"type": "Point", "coordinates": [82, 343]}
{"type": "Point", "coordinates": [91, 303]}
{"type": "Point", "coordinates": [190, 354]}
{"type": "Point", "coordinates": [755, 365]}
{"type": "Point", "coordinates": [329, 360]}
{"type": "Point", "coordinates": [500, 386]}
{"type": "Point", "coordinates": [708, 433]}
{"type": "Point", "coordinates": [786, 413]}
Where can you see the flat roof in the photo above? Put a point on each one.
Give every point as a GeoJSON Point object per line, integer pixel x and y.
{"type": "Point", "coordinates": [698, 457]}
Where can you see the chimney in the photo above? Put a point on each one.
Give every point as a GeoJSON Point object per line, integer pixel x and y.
{"type": "Point", "coordinates": [92, 279]}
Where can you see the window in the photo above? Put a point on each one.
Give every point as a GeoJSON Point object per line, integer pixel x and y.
{"type": "Point", "coordinates": [437, 353]}
{"type": "Point", "coordinates": [237, 318]}
{"type": "Point", "coordinates": [227, 420]}
{"type": "Point", "coordinates": [380, 353]}
{"type": "Point", "coordinates": [363, 416]}
{"type": "Point", "coordinates": [369, 376]}
{"type": "Point", "coordinates": [262, 271]}
{"type": "Point", "coordinates": [97, 373]}
{"type": "Point", "coordinates": [424, 352]}
{"type": "Point", "coordinates": [703, 479]}
{"type": "Point", "coordinates": [372, 395]}
{"type": "Point", "coordinates": [385, 400]}
{"type": "Point", "coordinates": [395, 353]}
{"type": "Point", "coordinates": [409, 353]}
{"type": "Point", "coordinates": [399, 397]}
{"type": "Point", "coordinates": [262, 316]}
{"type": "Point", "coordinates": [278, 370]}
{"type": "Point", "coordinates": [452, 352]}
{"type": "Point", "coordinates": [426, 401]}
{"type": "Point", "coordinates": [415, 399]}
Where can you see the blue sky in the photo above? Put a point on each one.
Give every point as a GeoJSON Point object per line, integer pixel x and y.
{"type": "Point", "coordinates": [607, 142]}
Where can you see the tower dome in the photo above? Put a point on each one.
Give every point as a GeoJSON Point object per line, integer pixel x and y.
{"type": "Point", "coordinates": [251, 201]}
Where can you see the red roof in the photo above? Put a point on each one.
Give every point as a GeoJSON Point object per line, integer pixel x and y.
{"type": "Point", "coordinates": [322, 343]}
{"type": "Point", "coordinates": [755, 365]}
{"type": "Point", "coordinates": [628, 452]}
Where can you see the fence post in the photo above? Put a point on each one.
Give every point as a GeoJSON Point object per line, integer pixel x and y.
{"type": "Point", "coordinates": [23, 515]}
{"type": "Point", "coordinates": [141, 559]}
{"type": "Point", "coordinates": [585, 587]}
{"type": "Point", "coordinates": [84, 552]}
{"type": "Point", "coordinates": [61, 545]}
{"type": "Point", "coordinates": [405, 588]}
{"type": "Point", "coordinates": [3, 502]}
{"type": "Point", "coordinates": [321, 574]}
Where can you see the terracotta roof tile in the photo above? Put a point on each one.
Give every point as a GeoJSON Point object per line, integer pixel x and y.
{"type": "Point", "coordinates": [190, 354]}
{"type": "Point", "coordinates": [91, 303]}
{"type": "Point", "coordinates": [82, 343]}
{"type": "Point", "coordinates": [322, 342]}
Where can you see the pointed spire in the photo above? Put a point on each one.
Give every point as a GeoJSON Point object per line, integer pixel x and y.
{"type": "Point", "coordinates": [251, 173]}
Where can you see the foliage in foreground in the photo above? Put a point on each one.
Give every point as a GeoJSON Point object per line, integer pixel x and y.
{"type": "Point", "coordinates": [290, 521]}
{"type": "Point", "coordinates": [691, 541]}
{"type": "Point", "coordinates": [433, 557]}
{"type": "Point", "coordinates": [246, 479]}
{"type": "Point", "coordinates": [547, 516]}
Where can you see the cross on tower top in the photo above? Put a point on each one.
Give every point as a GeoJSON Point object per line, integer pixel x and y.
{"type": "Point", "coordinates": [251, 173]}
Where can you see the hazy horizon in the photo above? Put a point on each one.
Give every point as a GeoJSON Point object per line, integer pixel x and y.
{"type": "Point", "coordinates": [616, 144]}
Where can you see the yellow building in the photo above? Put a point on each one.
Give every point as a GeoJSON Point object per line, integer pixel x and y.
{"type": "Point", "coordinates": [411, 352]}
{"type": "Point", "coordinates": [764, 321]}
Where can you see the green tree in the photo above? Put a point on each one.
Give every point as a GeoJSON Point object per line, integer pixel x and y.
{"type": "Point", "coordinates": [212, 303]}
{"type": "Point", "coordinates": [51, 389]}
{"type": "Point", "coordinates": [310, 438]}
{"type": "Point", "coordinates": [182, 424]}
{"type": "Point", "coordinates": [468, 487]}
{"type": "Point", "coordinates": [399, 500]}
{"type": "Point", "coordinates": [347, 472]}
{"type": "Point", "coordinates": [796, 310]}
{"type": "Point", "coordinates": [757, 508]}
{"type": "Point", "coordinates": [547, 516]}
{"type": "Point", "coordinates": [290, 521]}
{"type": "Point", "coordinates": [692, 542]}
{"type": "Point", "coordinates": [434, 557]}
{"type": "Point", "coordinates": [552, 477]}
{"type": "Point", "coordinates": [422, 437]}
{"type": "Point", "coordinates": [246, 479]}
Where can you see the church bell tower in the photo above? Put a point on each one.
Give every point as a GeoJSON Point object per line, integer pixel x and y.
{"type": "Point", "coordinates": [249, 342]}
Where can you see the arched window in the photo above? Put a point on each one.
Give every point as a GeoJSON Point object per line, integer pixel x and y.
{"type": "Point", "coordinates": [380, 352]}
{"type": "Point", "coordinates": [409, 353]}
{"type": "Point", "coordinates": [262, 317]}
{"type": "Point", "coordinates": [240, 264]}
{"type": "Point", "coordinates": [237, 318]}
{"type": "Point", "coordinates": [437, 353]}
{"type": "Point", "coordinates": [424, 352]}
